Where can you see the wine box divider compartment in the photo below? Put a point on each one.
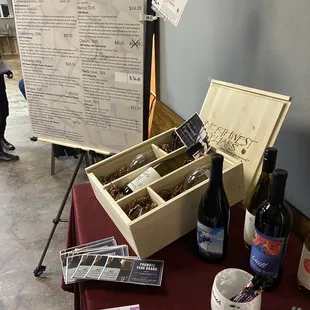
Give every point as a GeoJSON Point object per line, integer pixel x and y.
{"type": "Point", "coordinates": [158, 152]}
{"type": "Point", "coordinates": [149, 150]}
{"type": "Point", "coordinates": [123, 181]}
{"type": "Point", "coordinates": [146, 191]}
{"type": "Point", "coordinates": [177, 176]}
{"type": "Point", "coordinates": [155, 197]}
{"type": "Point", "coordinates": [138, 194]}
{"type": "Point", "coordinates": [124, 158]}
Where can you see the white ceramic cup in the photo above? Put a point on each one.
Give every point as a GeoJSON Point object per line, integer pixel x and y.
{"type": "Point", "coordinates": [227, 284]}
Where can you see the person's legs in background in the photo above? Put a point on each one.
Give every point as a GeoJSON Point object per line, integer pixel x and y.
{"type": "Point", "coordinates": [4, 113]}
{"type": "Point", "coordinates": [5, 145]}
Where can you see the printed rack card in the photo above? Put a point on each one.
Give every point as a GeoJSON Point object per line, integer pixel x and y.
{"type": "Point", "coordinates": [119, 269]}
{"type": "Point", "coordinates": [104, 260]}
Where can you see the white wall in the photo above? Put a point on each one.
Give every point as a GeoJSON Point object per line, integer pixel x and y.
{"type": "Point", "coordinates": [259, 43]}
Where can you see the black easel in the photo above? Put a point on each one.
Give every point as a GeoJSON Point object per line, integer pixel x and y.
{"type": "Point", "coordinates": [40, 268]}
{"type": "Point", "coordinates": [149, 32]}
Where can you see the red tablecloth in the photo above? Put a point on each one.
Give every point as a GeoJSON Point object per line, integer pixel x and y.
{"type": "Point", "coordinates": [187, 280]}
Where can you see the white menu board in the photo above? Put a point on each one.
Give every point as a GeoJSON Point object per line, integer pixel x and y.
{"type": "Point", "coordinates": [83, 63]}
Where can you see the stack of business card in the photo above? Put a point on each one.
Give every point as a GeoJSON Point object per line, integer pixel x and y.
{"type": "Point", "coordinates": [104, 260]}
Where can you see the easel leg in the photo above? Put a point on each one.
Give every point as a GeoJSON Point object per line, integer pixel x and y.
{"type": "Point", "coordinates": [87, 160]}
{"type": "Point", "coordinates": [40, 268]}
{"type": "Point", "coordinates": [53, 160]}
{"type": "Point", "coordinates": [92, 156]}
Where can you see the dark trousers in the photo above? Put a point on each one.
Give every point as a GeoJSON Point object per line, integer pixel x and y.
{"type": "Point", "coordinates": [2, 126]}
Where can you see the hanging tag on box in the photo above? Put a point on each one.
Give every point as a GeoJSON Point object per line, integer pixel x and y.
{"type": "Point", "coordinates": [193, 131]}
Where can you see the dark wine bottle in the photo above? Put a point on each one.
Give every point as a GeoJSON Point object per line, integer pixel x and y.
{"type": "Point", "coordinates": [213, 216]}
{"type": "Point", "coordinates": [273, 224]}
{"type": "Point", "coordinates": [303, 274]}
{"type": "Point", "coordinates": [260, 193]}
{"type": "Point", "coordinates": [161, 169]}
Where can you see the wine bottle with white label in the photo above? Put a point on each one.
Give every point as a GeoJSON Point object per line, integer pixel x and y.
{"type": "Point", "coordinates": [303, 275]}
{"type": "Point", "coordinates": [213, 216]}
{"type": "Point", "coordinates": [273, 224]}
{"type": "Point", "coordinates": [161, 169]}
{"type": "Point", "coordinates": [259, 194]}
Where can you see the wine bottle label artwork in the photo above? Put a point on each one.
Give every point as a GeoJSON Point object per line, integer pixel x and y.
{"type": "Point", "coordinates": [303, 274]}
{"type": "Point", "coordinates": [144, 179]}
{"type": "Point", "coordinates": [266, 254]}
{"type": "Point", "coordinates": [248, 227]}
{"type": "Point", "coordinates": [210, 240]}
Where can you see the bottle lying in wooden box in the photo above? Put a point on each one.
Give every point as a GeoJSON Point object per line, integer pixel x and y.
{"type": "Point", "coordinates": [240, 122]}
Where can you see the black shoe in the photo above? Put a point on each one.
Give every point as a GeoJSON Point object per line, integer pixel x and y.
{"type": "Point", "coordinates": [7, 145]}
{"type": "Point", "coordinates": [8, 157]}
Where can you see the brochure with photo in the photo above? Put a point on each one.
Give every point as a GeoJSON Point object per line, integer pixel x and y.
{"type": "Point", "coordinates": [110, 241]}
{"type": "Point", "coordinates": [63, 259]}
{"type": "Point", "coordinates": [87, 259]}
{"type": "Point", "coordinates": [117, 269]}
{"type": "Point", "coordinates": [72, 263]}
{"type": "Point", "coordinates": [105, 261]}
{"type": "Point", "coordinates": [84, 248]}
{"type": "Point", "coordinates": [147, 272]}
{"type": "Point", "coordinates": [99, 245]}
{"type": "Point", "coordinates": [96, 268]}
{"type": "Point", "coordinates": [85, 263]}
{"type": "Point", "coordinates": [131, 270]}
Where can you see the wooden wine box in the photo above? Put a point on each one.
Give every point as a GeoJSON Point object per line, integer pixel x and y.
{"type": "Point", "coordinates": [240, 122]}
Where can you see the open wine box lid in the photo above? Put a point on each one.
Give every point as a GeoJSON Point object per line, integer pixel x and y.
{"type": "Point", "coordinates": [242, 122]}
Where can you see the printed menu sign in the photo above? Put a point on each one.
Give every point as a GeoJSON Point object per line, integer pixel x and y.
{"type": "Point", "coordinates": [83, 64]}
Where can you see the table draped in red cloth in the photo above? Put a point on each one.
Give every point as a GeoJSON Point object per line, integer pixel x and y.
{"type": "Point", "coordinates": [187, 280]}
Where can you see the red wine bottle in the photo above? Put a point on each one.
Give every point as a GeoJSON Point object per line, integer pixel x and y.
{"type": "Point", "coordinates": [213, 216]}
{"type": "Point", "coordinates": [273, 224]}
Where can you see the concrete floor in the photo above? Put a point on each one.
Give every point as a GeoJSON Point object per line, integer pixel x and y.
{"type": "Point", "coordinates": [29, 200]}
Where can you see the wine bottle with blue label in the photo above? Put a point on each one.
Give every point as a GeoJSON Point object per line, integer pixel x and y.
{"type": "Point", "coordinates": [213, 216]}
{"type": "Point", "coordinates": [273, 224]}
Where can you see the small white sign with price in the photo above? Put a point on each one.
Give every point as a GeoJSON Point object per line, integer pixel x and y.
{"type": "Point", "coordinates": [170, 9]}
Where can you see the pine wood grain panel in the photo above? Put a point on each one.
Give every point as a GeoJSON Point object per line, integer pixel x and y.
{"type": "Point", "coordinates": [164, 119]}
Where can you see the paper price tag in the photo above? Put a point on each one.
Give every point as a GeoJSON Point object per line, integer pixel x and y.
{"type": "Point", "coordinates": [135, 78]}
{"type": "Point", "coordinates": [170, 9]}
